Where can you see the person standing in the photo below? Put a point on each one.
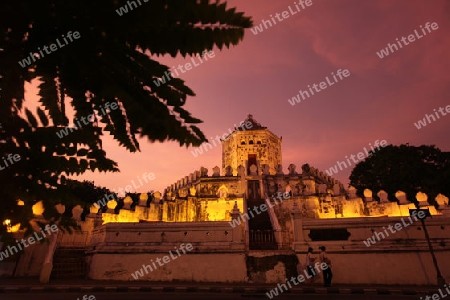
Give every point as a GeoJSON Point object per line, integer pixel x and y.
{"type": "Point", "coordinates": [309, 265]}
{"type": "Point", "coordinates": [327, 274]}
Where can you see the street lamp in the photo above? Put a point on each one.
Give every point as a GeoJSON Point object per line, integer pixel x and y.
{"type": "Point", "coordinates": [415, 212]}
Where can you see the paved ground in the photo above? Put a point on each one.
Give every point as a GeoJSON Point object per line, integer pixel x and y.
{"type": "Point", "coordinates": [17, 288]}
{"type": "Point", "coordinates": [196, 296]}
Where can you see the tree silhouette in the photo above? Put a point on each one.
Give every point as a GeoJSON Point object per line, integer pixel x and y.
{"type": "Point", "coordinates": [407, 168]}
{"type": "Point", "coordinates": [109, 62]}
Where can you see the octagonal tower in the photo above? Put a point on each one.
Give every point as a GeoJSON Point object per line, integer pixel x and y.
{"type": "Point", "coordinates": [251, 144]}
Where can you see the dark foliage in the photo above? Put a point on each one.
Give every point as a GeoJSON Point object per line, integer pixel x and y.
{"type": "Point", "coordinates": [407, 168]}
{"type": "Point", "coordinates": [110, 62]}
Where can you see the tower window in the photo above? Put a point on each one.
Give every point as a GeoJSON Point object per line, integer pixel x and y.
{"type": "Point", "coordinates": [258, 142]}
{"type": "Point", "coordinates": [250, 142]}
{"type": "Point", "coordinates": [242, 142]}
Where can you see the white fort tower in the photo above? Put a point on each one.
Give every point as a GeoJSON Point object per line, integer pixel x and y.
{"type": "Point", "coordinates": [254, 146]}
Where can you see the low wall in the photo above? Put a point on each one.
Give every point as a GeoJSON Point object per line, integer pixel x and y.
{"type": "Point", "coordinates": [192, 267]}
{"type": "Point", "coordinates": [162, 237]}
{"type": "Point", "coordinates": [119, 250]}
{"type": "Point", "coordinates": [402, 257]}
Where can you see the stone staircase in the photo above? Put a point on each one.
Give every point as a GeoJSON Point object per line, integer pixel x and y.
{"type": "Point", "coordinates": [261, 234]}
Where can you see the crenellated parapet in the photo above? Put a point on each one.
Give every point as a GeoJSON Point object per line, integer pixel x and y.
{"type": "Point", "coordinates": [309, 181]}
{"type": "Point", "coordinates": [200, 184]}
{"type": "Point", "coordinates": [193, 198]}
{"type": "Point", "coordinates": [85, 223]}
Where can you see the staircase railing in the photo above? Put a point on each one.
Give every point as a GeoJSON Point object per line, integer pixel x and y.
{"type": "Point", "coordinates": [261, 239]}
{"type": "Point", "coordinates": [281, 236]}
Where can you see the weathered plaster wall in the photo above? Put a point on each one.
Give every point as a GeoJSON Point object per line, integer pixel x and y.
{"type": "Point", "coordinates": [402, 257]}
{"type": "Point", "coordinates": [206, 237]}
{"type": "Point", "coordinates": [270, 267]}
{"type": "Point", "coordinates": [201, 267]}
{"type": "Point", "coordinates": [30, 259]}
{"type": "Point", "coordinates": [415, 268]}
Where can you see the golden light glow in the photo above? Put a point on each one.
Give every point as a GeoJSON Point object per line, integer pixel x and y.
{"type": "Point", "coordinates": [38, 208]}
{"type": "Point", "coordinates": [219, 210]}
{"type": "Point", "coordinates": [214, 210]}
{"type": "Point", "coordinates": [421, 196]}
{"type": "Point", "coordinates": [15, 228]}
{"type": "Point", "coordinates": [143, 197]}
{"type": "Point", "coordinates": [9, 227]}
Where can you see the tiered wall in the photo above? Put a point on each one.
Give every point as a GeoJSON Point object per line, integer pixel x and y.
{"type": "Point", "coordinates": [317, 208]}
{"type": "Point", "coordinates": [118, 250]}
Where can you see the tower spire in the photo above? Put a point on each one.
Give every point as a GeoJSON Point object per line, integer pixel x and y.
{"type": "Point", "coordinates": [255, 124]}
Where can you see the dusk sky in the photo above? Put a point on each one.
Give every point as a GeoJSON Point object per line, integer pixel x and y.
{"type": "Point", "coordinates": [381, 99]}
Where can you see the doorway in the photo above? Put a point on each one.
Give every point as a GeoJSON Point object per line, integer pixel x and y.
{"type": "Point", "coordinates": [251, 160]}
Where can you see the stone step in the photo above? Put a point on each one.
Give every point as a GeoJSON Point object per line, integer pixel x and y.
{"type": "Point", "coordinates": [260, 221]}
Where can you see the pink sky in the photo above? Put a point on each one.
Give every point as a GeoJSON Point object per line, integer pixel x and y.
{"type": "Point", "coordinates": [380, 100]}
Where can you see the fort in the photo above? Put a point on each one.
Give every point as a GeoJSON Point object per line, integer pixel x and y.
{"type": "Point", "coordinates": [198, 209]}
